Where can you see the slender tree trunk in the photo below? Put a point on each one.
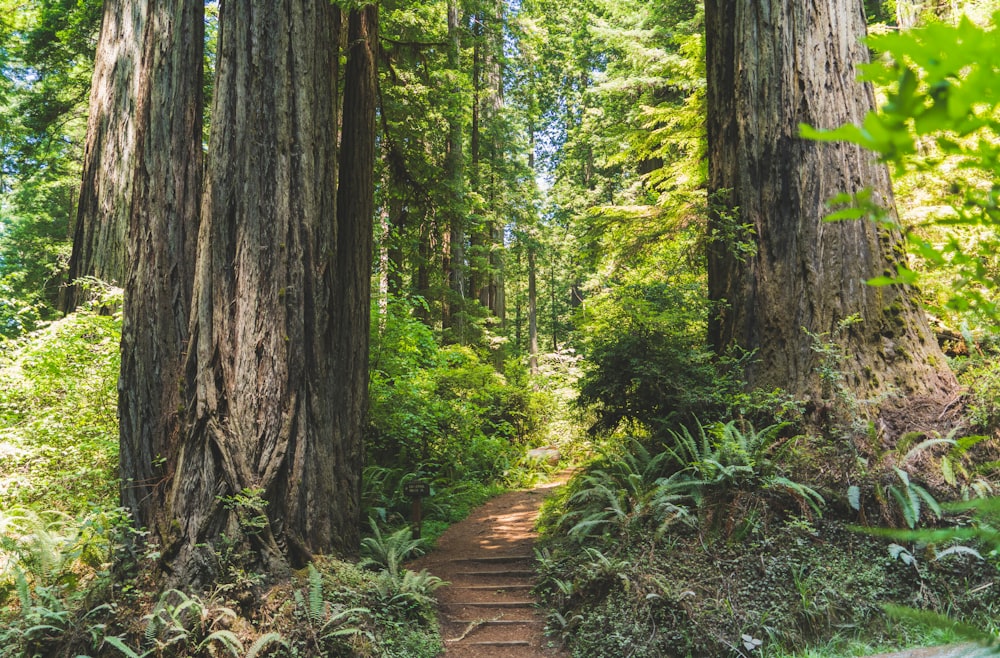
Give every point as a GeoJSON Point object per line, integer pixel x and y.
{"type": "Point", "coordinates": [532, 312]}
{"type": "Point", "coordinates": [454, 255]}
{"type": "Point", "coordinates": [395, 254]}
{"type": "Point", "coordinates": [276, 345]}
{"type": "Point", "coordinates": [422, 280]}
{"type": "Point", "coordinates": [162, 226]}
{"type": "Point", "coordinates": [783, 273]}
{"type": "Point", "coordinates": [108, 161]}
{"type": "Point", "coordinates": [477, 240]}
{"type": "Point", "coordinates": [555, 309]}
{"type": "Point", "coordinates": [352, 288]}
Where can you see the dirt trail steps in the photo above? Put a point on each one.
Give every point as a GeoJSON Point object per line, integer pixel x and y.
{"type": "Point", "coordinates": [487, 611]}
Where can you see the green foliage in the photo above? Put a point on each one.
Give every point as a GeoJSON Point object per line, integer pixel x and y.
{"type": "Point", "coordinates": [981, 374]}
{"type": "Point", "coordinates": [974, 537]}
{"type": "Point", "coordinates": [389, 551]}
{"type": "Point", "coordinates": [646, 362]}
{"type": "Point", "coordinates": [646, 359]}
{"type": "Point", "coordinates": [726, 459]}
{"type": "Point", "coordinates": [621, 494]}
{"type": "Point", "coordinates": [727, 477]}
{"type": "Point", "coordinates": [941, 116]}
{"type": "Point", "coordinates": [789, 584]}
{"type": "Point", "coordinates": [910, 496]}
{"type": "Point", "coordinates": [46, 53]}
{"type": "Point", "coordinates": [58, 414]}
{"type": "Point", "coordinates": [51, 566]}
{"type": "Point", "coordinates": [441, 411]}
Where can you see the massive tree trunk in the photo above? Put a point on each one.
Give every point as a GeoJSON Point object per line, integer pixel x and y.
{"type": "Point", "coordinates": [781, 272]}
{"type": "Point", "coordinates": [272, 456]}
{"type": "Point", "coordinates": [161, 232]}
{"type": "Point", "coordinates": [108, 161]}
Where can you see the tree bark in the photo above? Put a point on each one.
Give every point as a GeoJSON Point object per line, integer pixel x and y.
{"type": "Point", "coordinates": [162, 226]}
{"type": "Point", "coordinates": [108, 161]}
{"type": "Point", "coordinates": [779, 270]}
{"type": "Point", "coordinates": [532, 312]}
{"type": "Point", "coordinates": [453, 311]}
{"type": "Point", "coordinates": [272, 456]}
{"type": "Point", "coordinates": [352, 289]}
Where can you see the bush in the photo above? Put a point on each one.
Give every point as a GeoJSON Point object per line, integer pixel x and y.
{"type": "Point", "coordinates": [442, 411]}
{"type": "Point", "coordinates": [649, 367]}
{"type": "Point", "coordinates": [58, 414]}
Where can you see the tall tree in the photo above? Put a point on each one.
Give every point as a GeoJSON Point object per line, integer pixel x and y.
{"type": "Point", "coordinates": [486, 157]}
{"type": "Point", "coordinates": [454, 175]}
{"type": "Point", "coordinates": [784, 275]}
{"type": "Point", "coordinates": [269, 454]}
{"type": "Point", "coordinates": [162, 214]}
{"type": "Point", "coordinates": [109, 157]}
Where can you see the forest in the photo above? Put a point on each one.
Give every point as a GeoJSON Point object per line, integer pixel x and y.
{"type": "Point", "coordinates": [729, 268]}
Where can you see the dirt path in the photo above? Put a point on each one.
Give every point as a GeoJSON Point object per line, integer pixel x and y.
{"type": "Point", "coordinates": [487, 611]}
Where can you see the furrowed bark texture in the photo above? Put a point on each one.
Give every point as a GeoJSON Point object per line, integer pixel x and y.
{"type": "Point", "coordinates": [268, 365]}
{"type": "Point", "coordinates": [108, 161]}
{"type": "Point", "coordinates": [352, 288]}
{"type": "Point", "coordinates": [771, 66]}
{"type": "Point", "coordinates": [161, 232]}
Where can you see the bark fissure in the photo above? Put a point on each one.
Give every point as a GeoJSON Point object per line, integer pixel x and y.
{"type": "Point", "coordinates": [771, 67]}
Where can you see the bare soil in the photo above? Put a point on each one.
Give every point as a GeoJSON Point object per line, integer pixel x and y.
{"type": "Point", "coordinates": [487, 611]}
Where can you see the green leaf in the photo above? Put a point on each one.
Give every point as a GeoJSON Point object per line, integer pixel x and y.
{"type": "Point", "coordinates": [851, 212]}
{"type": "Point", "coordinates": [846, 133]}
{"type": "Point", "coordinates": [854, 497]}
{"type": "Point", "coordinates": [117, 643]}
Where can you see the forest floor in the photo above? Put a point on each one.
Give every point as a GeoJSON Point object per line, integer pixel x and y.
{"type": "Point", "coordinates": [487, 610]}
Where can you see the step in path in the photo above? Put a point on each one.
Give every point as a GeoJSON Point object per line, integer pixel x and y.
{"type": "Point", "coordinates": [487, 611]}
{"type": "Point", "coordinates": [951, 651]}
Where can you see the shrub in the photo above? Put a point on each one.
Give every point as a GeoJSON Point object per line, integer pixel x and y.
{"type": "Point", "coordinates": [442, 411]}
{"type": "Point", "coordinates": [58, 414]}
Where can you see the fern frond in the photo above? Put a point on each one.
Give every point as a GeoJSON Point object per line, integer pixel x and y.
{"type": "Point", "coordinates": [266, 641]}
{"type": "Point", "coordinates": [117, 643]}
{"type": "Point", "coordinates": [316, 604]}
{"type": "Point", "coordinates": [227, 639]}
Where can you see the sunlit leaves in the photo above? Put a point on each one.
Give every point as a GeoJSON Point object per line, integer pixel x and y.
{"type": "Point", "coordinates": [941, 123]}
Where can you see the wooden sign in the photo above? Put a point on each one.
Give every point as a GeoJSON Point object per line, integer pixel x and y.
{"type": "Point", "coordinates": [417, 489]}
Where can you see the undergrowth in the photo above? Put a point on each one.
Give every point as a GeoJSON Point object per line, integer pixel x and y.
{"type": "Point", "coordinates": [58, 413]}
{"type": "Point", "coordinates": [709, 544]}
{"type": "Point", "coordinates": [72, 583]}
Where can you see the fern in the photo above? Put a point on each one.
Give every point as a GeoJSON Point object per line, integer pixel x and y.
{"type": "Point", "coordinates": [334, 626]}
{"type": "Point", "coordinates": [117, 643]}
{"type": "Point", "coordinates": [265, 641]}
{"type": "Point", "coordinates": [227, 639]}
{"type": "Point", "coordinates": [910, 497]}
{"type": "Point", "coordinates": [802, 492]}
{"type": "Point", "coordinates": [389, 551]}
{"type": "Point", "coordinates": [989, 643]}
{"type": "Point", "coordinates": [317, 605]}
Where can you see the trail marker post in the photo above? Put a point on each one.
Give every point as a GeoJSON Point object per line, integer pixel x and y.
{"type": "Point", "coordinates": [416, 490]}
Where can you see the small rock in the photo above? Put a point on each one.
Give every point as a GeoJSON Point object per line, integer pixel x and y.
{"type": "Point", "coordinates": [548, 454]}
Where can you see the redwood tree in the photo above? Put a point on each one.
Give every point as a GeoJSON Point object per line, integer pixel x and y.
{"type": "Point", "coordinates": [785, 277]}
{"type": "Point", "coordinates": [162, 224]}
{"type": "Point", "coordinates": [105, 196]}
{"type": "Point", "coordinates": [256, 434]}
